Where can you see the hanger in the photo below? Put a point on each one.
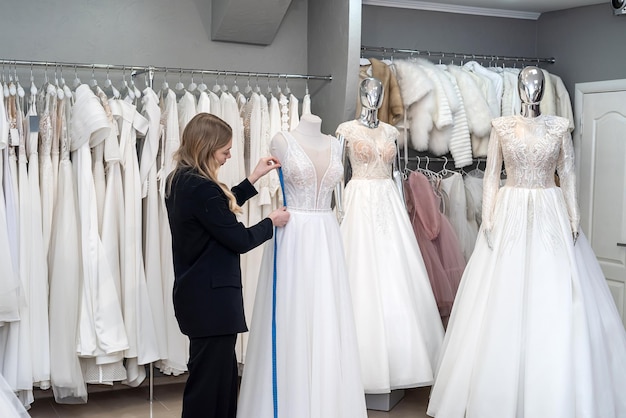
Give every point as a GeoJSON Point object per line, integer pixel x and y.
{"type": "Point", "coordinates": [20, 90]}
{"type": "Point", "coordinates": [109, 88]}
{"type": "Point", "coordinates": [180, 86]}
{"type": "Point", "coordinates": [134, 87]}
{"type": "Point", "coordinates": [192, 86]}
{"type": "Point", "coordinates": [75, 83]}
{"type": "Point", "coordinates": [56, 89]}
{"type": "Point", "coordinates": [269, 92]}
{"type": "Point", "coordinates": [125, 90]}
{"type": "Point", "coordinates": [202, 86]}
{"type": "Point", "coordinates": [224, 86]}
{"type": "Point", "coordinates": [235, 88]}
{"type": "Point", "coordinates": [287, 89]}
{"type": "Point", "coordinates": [93, 83]}
{"type": "Point", "coordinates": [66, 90]}
{"type": "Point", "coordinates": [216, 87]}
{"type": "Point", "coordinates": [248, 89]}
{"type": "Point", "coordinates": [165, 85]}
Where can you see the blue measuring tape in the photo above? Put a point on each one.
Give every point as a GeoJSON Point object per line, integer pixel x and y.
{"type": "Point", "coordinates": [274, 370]}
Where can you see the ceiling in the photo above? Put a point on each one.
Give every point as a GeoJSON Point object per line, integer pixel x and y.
{"type": "Point", "coordinates": [529, 9]}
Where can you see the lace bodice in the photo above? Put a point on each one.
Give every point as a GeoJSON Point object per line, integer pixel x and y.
{"type": "Point", "coordinates": [532, 150]}
{"type": "Point", "coordinates": [301, 188]}
{"type": "Point", "coordinates": [371, 151]}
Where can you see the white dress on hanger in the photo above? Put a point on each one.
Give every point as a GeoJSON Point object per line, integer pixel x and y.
{"type": "Point", "coordinates": [150, 165]}
{"type": "Point", "coordinates": [10, 289]}
{"type": "Point", "coordinates": [256, 131]}
{"type": "Point", "coordinates": [316, 348]}
{"type": "Point", "coordinates": [134, 291]}
{"type": "Point", "coordinates": [204, 105]}
{"type": "Point", "coordinates": [186, 110]}
{"type": "Point", "coordinates": [215, 104]}
{"type": "Point", "coordinates": [47, 127]}
{"type": "Point", "coordinates": [233, 171]}
{"type": "Point", "coordinates": [534, 331]}
{"type": "Point", "coordinates": [465, 227]}
{"type": "Point", "coordinates": [17, 367]}
{"type": "Point", "coordinates": [66, 375]}
{"type": "Point", "coordinates": [397, 321]}
{"type": "Point", "coordinates": [176, 343]}
{"type": "Point", "coordinates": [38, 270]}
{"type": "Point", "coordinates": [101, 326]}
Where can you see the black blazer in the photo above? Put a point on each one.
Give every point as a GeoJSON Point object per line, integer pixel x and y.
{"type": "Point", "coordinates": [207, 240]}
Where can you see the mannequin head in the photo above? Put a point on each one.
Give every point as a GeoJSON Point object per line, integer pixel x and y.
{"type": "Point", "coordinates": [530, 84]}
{"type": "Point", "coordinates": [371, 95]}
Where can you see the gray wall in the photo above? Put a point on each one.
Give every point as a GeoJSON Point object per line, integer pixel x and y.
{"type": "Point", "coordinates": [171, 33]}
{"type": "Point", "coordinates": [334, 44]}
{"type": "Point", "coordinates": [587, 42]}
{"type": "Point", "coordinates": [447, 32]}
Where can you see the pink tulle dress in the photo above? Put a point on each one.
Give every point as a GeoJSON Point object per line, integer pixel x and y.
{"type": "Point", "coordinates": [439, 245]}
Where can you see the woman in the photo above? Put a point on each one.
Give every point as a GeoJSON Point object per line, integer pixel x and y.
{"type": "Point", "coordinates": [207, 240]}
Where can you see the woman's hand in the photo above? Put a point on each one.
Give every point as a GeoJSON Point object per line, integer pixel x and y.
{"type": "Point", "coordinates": [279, 217]}
{"type": "Point", "coordinates": [264, 166]}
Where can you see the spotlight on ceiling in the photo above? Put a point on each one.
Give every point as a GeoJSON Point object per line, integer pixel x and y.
{"type": "Point", "coordinates": [619, 7]}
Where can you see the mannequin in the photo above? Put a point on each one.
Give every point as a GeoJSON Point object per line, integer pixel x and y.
{"type": "Point", "coordinates": [303, 284]}
{"type": "Point", "coordinates": [398, 325]}
{"type": "Point", "coordinates": [533, 317]}
{"type": "Point", "coordinates": [530, 84]}
{"type": "Point", "coordinates": [309, 136]}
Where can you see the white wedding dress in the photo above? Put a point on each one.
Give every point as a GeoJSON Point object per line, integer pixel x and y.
{"type": "Point", "coordinates": [397, 320]}
{"type": "Point", "coordinates": [534, 331]}
{"type": "Point", "coordinates": [317, 357]}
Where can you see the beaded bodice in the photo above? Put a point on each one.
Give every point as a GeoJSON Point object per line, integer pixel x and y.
{"type": "Point", "coordinates": [371, 150]}
{"type": "Point", "coordinates": [532, 149]}
{"type": "Point", "coordinates": [302, 190]}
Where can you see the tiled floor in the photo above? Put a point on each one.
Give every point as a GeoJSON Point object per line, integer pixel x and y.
{"type": "Point", "coordinates": [133, 403]}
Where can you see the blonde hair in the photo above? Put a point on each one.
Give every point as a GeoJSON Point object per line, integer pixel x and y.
{"type": "Point", "coordinates": [202, 137]}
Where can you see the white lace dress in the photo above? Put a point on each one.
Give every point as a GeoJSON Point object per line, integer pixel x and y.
{"type": "Point", "coordinates": [397, 320]}
{"type": "Point", "coordinates": [317, 355]}
{"type": "Point", "coordinates": [534, 331]}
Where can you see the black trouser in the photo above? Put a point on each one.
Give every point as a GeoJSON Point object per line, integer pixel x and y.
{"type": "Point", "coordinates": [211, 388]}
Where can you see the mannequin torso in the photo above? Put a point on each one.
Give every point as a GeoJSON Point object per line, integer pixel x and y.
{"type": "Point", "coordinates": [314, 143]}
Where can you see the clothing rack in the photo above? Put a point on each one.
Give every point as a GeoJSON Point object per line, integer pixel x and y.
{"type": "Point", "coordinates": [151, 70]}
{"type": "Point", "coordinates": [459, 55]}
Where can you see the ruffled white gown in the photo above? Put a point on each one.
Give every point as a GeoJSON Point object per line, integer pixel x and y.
{"type": "Point", "coordinates": [316, 348]}
{"type": "Point", "coordinates": [397, 320]}
{"type": "Point", "coordinates": [534, 331]}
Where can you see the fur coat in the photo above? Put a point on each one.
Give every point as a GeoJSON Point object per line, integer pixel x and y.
{"type": "Point", "coordinates": [476, 109]}
{"type": "Point", "coordinates": [418, 96]}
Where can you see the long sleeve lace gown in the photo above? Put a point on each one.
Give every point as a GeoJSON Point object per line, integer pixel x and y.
{"type": "Point", "coordinates": [534, 331]}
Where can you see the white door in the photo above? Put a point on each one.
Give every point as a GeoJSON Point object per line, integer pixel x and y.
{"type": "Point", "coordinates": [600, 142]}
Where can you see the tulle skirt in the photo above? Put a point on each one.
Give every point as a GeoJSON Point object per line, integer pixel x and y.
{"type": "Point", "coordinates": [318, 371]}
{"type": "Point", "coordinates": [534, 331]}
{"type": "Point", "coordinates": [398, 325]}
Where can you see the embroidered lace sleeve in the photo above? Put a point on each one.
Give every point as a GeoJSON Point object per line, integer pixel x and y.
{"type": "Point", "coordinates": [567, 178]}
{"type": "Point", "coordinates": [491, 181]}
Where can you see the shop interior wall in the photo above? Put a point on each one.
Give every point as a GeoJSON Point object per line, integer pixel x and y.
{"type": "Point", "coordinates": [334, 35]}
{"type": "Point", "coordinates": [587, 42]}
{"type": "Point", "coordinates": [146, 32]}
{"type": "Point", "coordinates": [439, 31]}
